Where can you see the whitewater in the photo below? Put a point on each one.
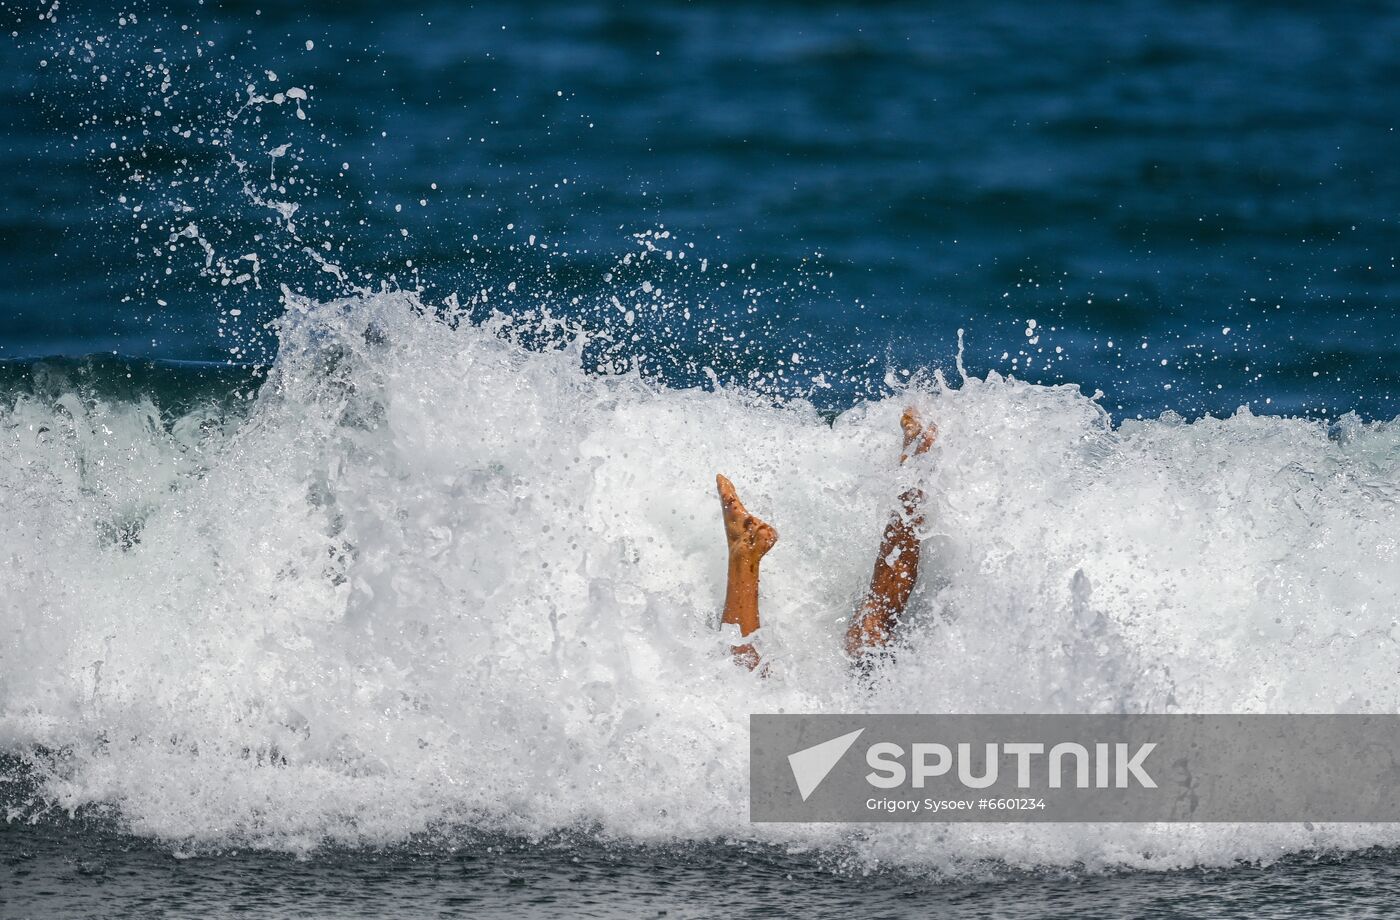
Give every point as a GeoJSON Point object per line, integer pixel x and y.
{"type": "Point", "coordinates": [434, 579]}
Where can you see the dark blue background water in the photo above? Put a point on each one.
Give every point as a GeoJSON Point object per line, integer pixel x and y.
{"type": "Point", "coordinates": [1142, 173]}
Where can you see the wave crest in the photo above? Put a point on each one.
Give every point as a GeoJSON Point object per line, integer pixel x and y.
{"type": "Point", "coordinates": [435, 577]}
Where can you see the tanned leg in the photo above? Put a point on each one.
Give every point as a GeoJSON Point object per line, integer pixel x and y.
{"type": "Point", "coordinates": [749, 540]}
{"type": "Point", "coordinates": [897, 566]}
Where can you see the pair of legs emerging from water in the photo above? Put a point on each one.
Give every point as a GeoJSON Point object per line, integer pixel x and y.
{"type": "Point", "coordinates": [896, 565]}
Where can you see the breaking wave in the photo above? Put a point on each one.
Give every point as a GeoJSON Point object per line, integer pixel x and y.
{"type": "Point", "coordinates": [427, 577]}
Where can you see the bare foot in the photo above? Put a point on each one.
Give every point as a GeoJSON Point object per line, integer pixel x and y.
{"type": "Point", "coordinates": [918, 436]}
{"type": "Point", "coordinates": [749, 537]}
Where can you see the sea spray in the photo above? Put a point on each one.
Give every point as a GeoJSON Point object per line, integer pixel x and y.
{"type": "Point", "coordinates": [433, 578]}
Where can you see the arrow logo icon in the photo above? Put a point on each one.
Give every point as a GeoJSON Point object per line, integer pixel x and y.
{"type": "Point", "coordinates": [811, 765]}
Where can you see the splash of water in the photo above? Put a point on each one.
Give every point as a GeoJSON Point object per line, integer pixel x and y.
{"type": "Point", "coordinates": [435, 578]}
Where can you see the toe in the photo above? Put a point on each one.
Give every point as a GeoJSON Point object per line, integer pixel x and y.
{"type": "Point", "coordinates": [911, 424]}
{"type": "Point", "coordinates": [728, 496]}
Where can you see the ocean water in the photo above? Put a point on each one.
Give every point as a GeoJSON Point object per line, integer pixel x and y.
{"type": "Point", "coordinates": [364, 374]}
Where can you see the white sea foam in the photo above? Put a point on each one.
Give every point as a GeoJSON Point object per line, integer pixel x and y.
{"type": "Point", "coordinates": [435, 578]}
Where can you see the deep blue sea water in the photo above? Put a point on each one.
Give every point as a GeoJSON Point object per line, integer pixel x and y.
{"type": "Point", "coordinates": [362, 365]}
{"type": "Point", "coordinates": [1146, 174]}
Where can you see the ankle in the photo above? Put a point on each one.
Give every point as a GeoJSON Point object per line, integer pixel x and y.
{"type": "Point", "coordinates": [744, 560]}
